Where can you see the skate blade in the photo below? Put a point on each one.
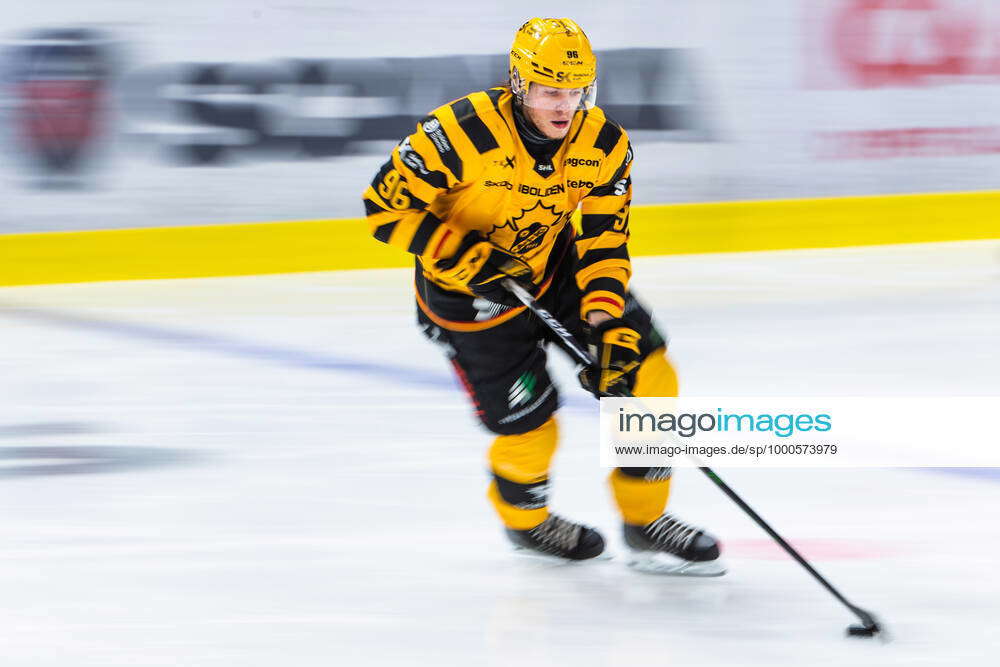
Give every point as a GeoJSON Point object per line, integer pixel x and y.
{"type": "Point", "coordinates": [531, 554]}
{"type": "Point", "coordinates": [668, 565]}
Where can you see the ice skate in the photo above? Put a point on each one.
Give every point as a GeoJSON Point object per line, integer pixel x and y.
{"type": "Point", "coordinates": [559, 538]}
{"type": "Point", "coordinates": [670, 546]}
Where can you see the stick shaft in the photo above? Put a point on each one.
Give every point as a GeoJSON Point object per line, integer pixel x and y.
{"type": "Point", "coordinates": [571, 344]}
{"type": "Point", "coordinates": [863, 615]}
{"type": "Point", "coordinates": [582, 356]}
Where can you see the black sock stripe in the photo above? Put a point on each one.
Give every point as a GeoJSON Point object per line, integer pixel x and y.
{"type": "Point", "coordinates": [523, 496]}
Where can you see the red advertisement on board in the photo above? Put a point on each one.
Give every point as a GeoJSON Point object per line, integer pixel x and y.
{"type": "Point", "coordinates": [901, 43]}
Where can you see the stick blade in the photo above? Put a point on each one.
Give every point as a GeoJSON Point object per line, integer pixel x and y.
{"type": "Point", "coordinates": [868, 627]}
{"type": "Point", "coordinates": [863, 631]}
{"type": "Point", "coordinates": [873, 630]}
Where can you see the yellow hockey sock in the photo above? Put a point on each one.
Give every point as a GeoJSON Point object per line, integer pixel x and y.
{"type": "Point", "coordinates": [520, 465]}
{"type": "Point", "coordinates": [642, 493]}
{"type": "Point", "coordinates": [656, 376]}
{"type": "Point", "coordinates": [640, 500]}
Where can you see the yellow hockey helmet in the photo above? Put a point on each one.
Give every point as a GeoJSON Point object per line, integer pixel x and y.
{"type": "Point", "coordinates": [555, 53]}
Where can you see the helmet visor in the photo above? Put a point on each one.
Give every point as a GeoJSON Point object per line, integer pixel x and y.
{"type": "Point", "coordinates": [550, 98]}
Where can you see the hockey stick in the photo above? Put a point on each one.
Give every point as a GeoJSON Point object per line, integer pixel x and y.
{"type": "Point", "coordinates": [869, 627]}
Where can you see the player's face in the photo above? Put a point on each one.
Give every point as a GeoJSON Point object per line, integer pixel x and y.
{"type": "Point", "coordinates": [551, 109]}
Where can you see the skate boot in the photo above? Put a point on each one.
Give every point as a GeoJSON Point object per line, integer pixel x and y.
{"type": "Point", "coordinates": [559, 537]}
{"type": "Point", "coordinates": [670, 546]}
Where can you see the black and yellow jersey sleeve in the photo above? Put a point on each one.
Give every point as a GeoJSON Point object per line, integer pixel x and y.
{"type": "Point", "coordinates": [408, 200]}
{"type": "Point", "coordinates": [604, 268]}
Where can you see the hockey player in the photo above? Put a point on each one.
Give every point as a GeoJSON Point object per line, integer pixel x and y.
{"type": "Point", "coordinates": [484, 190]}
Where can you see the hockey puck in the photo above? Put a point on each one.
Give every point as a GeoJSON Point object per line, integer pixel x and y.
{"type": "Point", "coordinates": [862, 630]}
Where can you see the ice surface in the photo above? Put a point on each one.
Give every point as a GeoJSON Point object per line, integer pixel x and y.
{"type": "Point", "coordinates": [298, 481]}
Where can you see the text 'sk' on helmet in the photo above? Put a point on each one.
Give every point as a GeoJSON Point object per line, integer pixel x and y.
{"type": "Point", "coordinates": [556, 53]}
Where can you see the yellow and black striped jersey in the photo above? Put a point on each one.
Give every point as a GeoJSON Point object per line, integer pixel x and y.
{"type": "Point", "coordinates": [465, 168]}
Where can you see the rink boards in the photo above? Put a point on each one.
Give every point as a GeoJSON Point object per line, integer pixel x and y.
{"type": "Point", "coordinates": [324, 245]}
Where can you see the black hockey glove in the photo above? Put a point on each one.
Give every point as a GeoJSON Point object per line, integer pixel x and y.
{"type": "Point", "coordinates": [480, 266]}
{"type": "Point", "coordinates": [614, 344]}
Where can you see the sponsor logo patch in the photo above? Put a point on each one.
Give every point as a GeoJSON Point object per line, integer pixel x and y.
{"type": "Point", "coordinates": [432, 128]}
{"type": "Point", "coordinates": [544, 169]}
{"type": "Point", "coordinates": [523, 389]}
{"type": "Point", "coordinates": [556, 189]}
{"type": "Point", "coordinates": [410, 157]}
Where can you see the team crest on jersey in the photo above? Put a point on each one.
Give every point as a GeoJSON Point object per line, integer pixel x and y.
{"type": "Point", "coordinates": [530, 227]}
{"type": "Point", "coordinates": [530, 238]}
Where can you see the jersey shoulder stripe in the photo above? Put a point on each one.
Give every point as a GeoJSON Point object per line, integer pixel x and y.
{"type": "Point", "coordinates": [434, 130]}
{"type": "Point", "coordinates": [583, 124]}
{"type": "Point", "coordinates": [596, 132]}
{"type": "Point", "coordinates": [383, 232]}
{"type": "Point", "coordinates": [473, 126]}
{"type": "Point", "coordinates": [608, 137]}
{"type": "Point", "coordinates": [496, 93]}
{"type": "Point", "coordinates": [500, 96]}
